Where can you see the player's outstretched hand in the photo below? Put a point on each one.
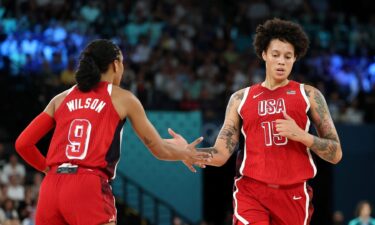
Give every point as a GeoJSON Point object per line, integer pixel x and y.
{"type": "Point", "coordinates": [193, 156]}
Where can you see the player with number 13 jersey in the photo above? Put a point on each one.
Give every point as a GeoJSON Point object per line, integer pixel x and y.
{"type": "Point", "coordinates": [266, 154]}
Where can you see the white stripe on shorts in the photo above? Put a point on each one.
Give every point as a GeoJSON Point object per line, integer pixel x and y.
{"type": "Point", "coordinates": [240, 218]}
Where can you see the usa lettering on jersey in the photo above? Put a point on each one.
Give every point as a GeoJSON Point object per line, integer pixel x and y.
{"type": "Point", "coordinates": [89, 103]}
{"type": "Point", "coordinates": [271, 106]}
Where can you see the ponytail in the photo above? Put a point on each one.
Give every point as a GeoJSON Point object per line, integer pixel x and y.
{"type": "Point", "coordinates": [94, 61]}
{"type": "Point", "coordinates": [88, 74]}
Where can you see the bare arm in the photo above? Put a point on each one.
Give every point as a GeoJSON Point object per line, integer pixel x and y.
{"type": "Point", "coordinates": [228, 137]}
{"type": "Point", "coordinates": [327, 144]}
{"type": "Point", "coordinates": [159, 147]}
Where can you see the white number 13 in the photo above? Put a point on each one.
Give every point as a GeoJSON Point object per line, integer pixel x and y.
{"type": "Point", "coordinates": [271, 136]}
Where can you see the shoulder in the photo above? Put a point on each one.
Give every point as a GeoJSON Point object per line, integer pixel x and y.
{"type": "Point", "coordinates": [125, 102]}
{"type": "Point", "coordinates": [61, 96]}
{"type": "Point", "coordinates": [235, 100]}
{"type": "Point", "coordinates": [309, 90]}
{"type": "Point", "coordinates": [56, 101]}
{"type": "Point", "coordinates": [239, 95]}
{"type": "Point", "coordinates": [313, 93]}
{"type": "Point", "coordinates": [120, 93]}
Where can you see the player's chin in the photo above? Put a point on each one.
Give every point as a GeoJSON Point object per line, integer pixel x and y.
{"type": "Point", "coordinates": [280, 77]}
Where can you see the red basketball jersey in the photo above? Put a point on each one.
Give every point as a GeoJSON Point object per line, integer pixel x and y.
{"type": "Point", "coordinates": [267, 156]}
{"type": "Point", "coordinates": [88, 130]}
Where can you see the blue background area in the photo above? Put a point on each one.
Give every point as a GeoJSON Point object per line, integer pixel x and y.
{"type": "Point", "coordinates": [170, 181]}
{"type": "Point", "coordinates": [354, 176]}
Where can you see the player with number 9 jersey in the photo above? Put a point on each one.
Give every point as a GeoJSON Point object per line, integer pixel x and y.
{"type": "Point", "coordinates": [85, 147]}
{"type": "Point", "coordinates": [88, 130]}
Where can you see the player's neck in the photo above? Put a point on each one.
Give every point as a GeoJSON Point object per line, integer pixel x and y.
{"type": "Point", "coordinates": [107, 77]}
{"type": "Point", "coordinates": [273, 84]}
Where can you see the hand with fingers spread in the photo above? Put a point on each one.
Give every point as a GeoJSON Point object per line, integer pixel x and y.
{"type": "Point", "coordinates": [288, 128]}
{"type": "Point", "coordinates": [194, 157]}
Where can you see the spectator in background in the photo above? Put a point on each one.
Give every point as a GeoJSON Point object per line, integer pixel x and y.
{"type": "Point", "coordinates": [37, 181]}
{"type": "Point", "coordinates": [14, 167]}
{"type": "Point", "coordinates": [8, 211]}
{"type": "Point", "coordinates": [352, 113]}
{"type": "Point", "coordinates": [27, 207]}
{"type": "Point", "coordinates": [91, 11]}
{"type": "Point", "coordinates": [3, 156]}
{"type": "Point", "coordinates": [338, 218]}
{"type": "Point", "coordinates": [363, 214]}
{"type": "Point", "coordinates": [15, 190]}
{"type": "Point", "coordinates": [348, 82]}
{"type": "Point", "coordinates": [67, 75]}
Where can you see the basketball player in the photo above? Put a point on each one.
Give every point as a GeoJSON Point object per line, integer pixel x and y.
{"type": "Point", "coordinates": [275, 161]}
{"type": "Point", "coordinates": [85, 147]}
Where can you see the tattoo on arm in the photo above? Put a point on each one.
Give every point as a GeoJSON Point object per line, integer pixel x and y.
{"type": "Point", "coordinates": [235, 97]}
{"type": "Point", "coordinates": [239, 95]}
{"type": "Point", "coordinates": [326, 148]}
{"type": "Point", "coordinates": [211, 150]}
{"type": "Point", "coordinates": [307, 92]}
{"type": "Point", "coordinates": [327, 144]}
{"type": "Point", "coordinates": [229, 133]}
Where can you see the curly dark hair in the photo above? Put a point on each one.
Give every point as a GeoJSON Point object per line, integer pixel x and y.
{"type": "Point", "coordinates": [283, 30]}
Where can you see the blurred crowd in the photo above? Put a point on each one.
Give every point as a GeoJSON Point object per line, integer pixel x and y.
{"type": "Point", "coordinates": [179, 55]}
{"type": "Point", "coordinates": [18, 189]}
{"type": "Point", "coordinates": [187, 55]}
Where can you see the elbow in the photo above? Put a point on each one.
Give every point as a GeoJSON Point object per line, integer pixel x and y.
{"type": "Point", "coordinates": [338, 157]}
{"type": "Point", "coordinates": [218, 161]}
{"type": "Point", "coordinates": [158, 155]}
{"type": "Point", "coordinates": [161, 156]}
{"type": "Point", "coordinates": [20, 145]}
{"type": "Point", "coordinates": [217, 164]}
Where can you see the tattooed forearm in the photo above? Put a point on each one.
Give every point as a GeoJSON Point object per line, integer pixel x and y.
{"type": "Point", "coordinates": [325, 148]}
{"type": "Point", "coordinates": [327, 145]}
{"type": "Point", "coordinates": [228, 134]}
{"type": "Point", "coordinates": [211, 150]}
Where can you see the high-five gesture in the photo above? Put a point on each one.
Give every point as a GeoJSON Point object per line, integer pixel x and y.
{"type": "Point", "coordinates": [193, 156]}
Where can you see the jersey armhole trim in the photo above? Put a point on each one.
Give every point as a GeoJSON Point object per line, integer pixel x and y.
{"type": "Point", "coordinates": [243, 101]}
{"type": "Point", "coordinates": [70, 90]}
{"type": "Point", "coordinates": [109, 89]}
{"type": "Point", "coordinates": [303, 92]}
{"type": "Point", "coordinates": [57, 110]}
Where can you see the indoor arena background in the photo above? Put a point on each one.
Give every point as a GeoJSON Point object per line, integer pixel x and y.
{"type": "Point", "coordinates": [183, 61]}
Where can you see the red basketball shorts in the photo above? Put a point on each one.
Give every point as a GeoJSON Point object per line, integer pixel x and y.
{"type": "Point", "coordinates": [81, 198]}
{"type": "Point", "coordinates": [255, 201]}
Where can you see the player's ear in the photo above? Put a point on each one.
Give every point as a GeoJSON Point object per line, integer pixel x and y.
{"type": "Point", "coordinates": [264, 54]}
{"type": "Point", "coordinates": [116, 65]}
